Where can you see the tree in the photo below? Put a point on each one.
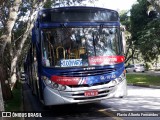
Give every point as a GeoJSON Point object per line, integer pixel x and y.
{"type": "Point", "coordinates": [130, 48]}
{"type": "Point", "coordinates": [11, 15]}
{"type": "Point", "coordinates": [145, 31]}
{"type": "Point", "coordinates": [14, 33]}
{"type": "Point", "coordinates": [138, 18]}
{"type": "Point", "coordinates": [156, 4]}
{"type": "Point", "coordinates": [34, 7]}
{"type": "Point", "coordinates": [5, 42]}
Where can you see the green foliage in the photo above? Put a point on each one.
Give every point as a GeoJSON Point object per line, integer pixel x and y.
{"type": "Point", "coordinates": [49, 3]}
{"type": "Point", "coordinates": [145, 31]}
{"type": "Point", "coordinates": [125, 19]}
{"type": "Point", "coordinates": [139, 18]}
{"type": "Point", "coordinates": [143, 79]}
{"type": "Point", "coordinates": [130, 48]}
{"type": "Point", "coordinates": [62, 3]}
{"type": "Point", "coordinates": [150, 40]}
{"type": "Point", "coordinates": [148, 65]}
{"type": "Point", "coordinates": [15, 103]}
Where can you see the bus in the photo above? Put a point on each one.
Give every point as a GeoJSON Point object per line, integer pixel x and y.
{"type": "Point", "coordinates": [76, 55]}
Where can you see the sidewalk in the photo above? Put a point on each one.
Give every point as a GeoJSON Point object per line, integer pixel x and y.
{"type": "Point", "coordinates": [140, 85]}
{"type": "Point", "coordinates": [154, 73]}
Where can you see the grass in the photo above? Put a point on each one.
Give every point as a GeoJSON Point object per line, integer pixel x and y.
{"type": "Point", "coordinates": [15, 103]}
{"type": "Point", "coordinates": [143, 79]}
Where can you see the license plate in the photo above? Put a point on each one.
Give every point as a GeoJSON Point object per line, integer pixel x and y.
{"type": "Point", "coordinates": [91, 93]}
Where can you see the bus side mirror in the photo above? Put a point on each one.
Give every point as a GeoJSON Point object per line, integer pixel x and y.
{"type": "Point", "coordinates": [122, 28]}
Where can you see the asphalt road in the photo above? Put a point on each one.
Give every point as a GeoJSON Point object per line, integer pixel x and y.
{"type": "Point", "coordinates": [139, 99]}
{"type": "Point", "coordinates": [152, 73]}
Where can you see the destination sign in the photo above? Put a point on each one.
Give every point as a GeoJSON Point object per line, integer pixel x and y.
{"type": "Point", "coordinates": [71, 62]}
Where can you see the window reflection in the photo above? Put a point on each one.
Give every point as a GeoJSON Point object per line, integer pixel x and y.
{"type": "Point", "coordinates": [68, 47]}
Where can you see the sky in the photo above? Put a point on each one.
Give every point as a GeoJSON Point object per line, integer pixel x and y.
{"type": "Point", "coordinates": [115, 4]}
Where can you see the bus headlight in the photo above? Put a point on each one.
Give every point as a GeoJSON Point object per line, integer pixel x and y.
{"type": "Point", "coordinates": [119, 79]}
{"type": "Point", "coordinates": [62, 87]}
{"type": "Point", "coordinates": [114, 82]}
{"type": "Point", "coordinates": [46, 80]}
{"type": "Point", "coordinates": [53, 85]}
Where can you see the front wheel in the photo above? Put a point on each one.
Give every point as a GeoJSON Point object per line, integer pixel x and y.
{"type": "Point", "coordinates": [121, 97]}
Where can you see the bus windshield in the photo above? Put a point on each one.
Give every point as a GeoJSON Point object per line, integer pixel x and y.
{"type": "Point", "coordinates": [88, 46]}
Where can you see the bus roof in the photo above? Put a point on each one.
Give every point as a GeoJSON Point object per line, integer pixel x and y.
{"type": "Point", "coordinates": [78, 14]}
{"type": "Point", "coordinates": [75, 8]}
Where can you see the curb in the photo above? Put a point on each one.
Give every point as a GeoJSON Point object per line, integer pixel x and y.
{"type": "Point", "coordinates": [140, 85]}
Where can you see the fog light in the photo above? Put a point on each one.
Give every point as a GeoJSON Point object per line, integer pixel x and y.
{"type": "Point", "coordinates": [114, 82]}
{"type": "Point", "coordinates": [119, 79]}
{"type": "Point", "coordinates": [62, 87]}
{"type": "Point", "coordinates": [44, 77]}
{"type": "Point", "coordinates": [48, 82]}
{"type": "Point", "coordinates": [55, 85]}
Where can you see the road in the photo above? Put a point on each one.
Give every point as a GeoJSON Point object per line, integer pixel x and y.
{"type": "Point", "coordinates": [151, 73]}
{"type": "Point", "coordinates": [138, 99]}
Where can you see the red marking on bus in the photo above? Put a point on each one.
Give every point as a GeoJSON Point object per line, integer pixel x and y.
{"type": "Point", "coordinates": [65, 80]}
{"type": "Point", "coordinates": [98, 60]}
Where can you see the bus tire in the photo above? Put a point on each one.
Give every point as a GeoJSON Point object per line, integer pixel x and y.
{"type": "Point", "coordinates": [121, 96]}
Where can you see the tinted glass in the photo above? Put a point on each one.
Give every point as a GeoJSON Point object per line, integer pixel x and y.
{"type": "Point", "coordinates": [78, 15]}
{"type": "Point", "coordinates": [68, 47]}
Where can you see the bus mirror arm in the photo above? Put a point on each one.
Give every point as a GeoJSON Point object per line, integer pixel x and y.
{"type": "Point", "coordinates": [122, 28]}
{"type": "Point", "coordinates": [123, 42]}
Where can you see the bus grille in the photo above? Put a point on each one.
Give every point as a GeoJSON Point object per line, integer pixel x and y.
{"type": "Point", "coordinates": [86, 85]}
{"type": "Point", "coordinates": [101, 94]}
{"type": "Point", "coordinates": [85, 73]}
{"type": "Point", "coordinates": [78, 95]}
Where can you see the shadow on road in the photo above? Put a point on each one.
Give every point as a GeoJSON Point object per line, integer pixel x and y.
{"type": "Point", "coordinates": [61, 112]}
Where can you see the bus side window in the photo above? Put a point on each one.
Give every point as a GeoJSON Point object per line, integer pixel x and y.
{"type": "Point", "coordinates": [73, 54]}
{"type": "Point", "coordinates": [82, 52]}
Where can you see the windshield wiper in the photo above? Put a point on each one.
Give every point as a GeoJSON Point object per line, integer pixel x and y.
{"type": "Point", "coordinates": [101, 28]}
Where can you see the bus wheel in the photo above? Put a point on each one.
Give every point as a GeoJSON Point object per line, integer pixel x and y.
{"type": "Point", "coordinates": [33, 89]}
{"type": "Point", "coordinates": [37, 90]}
{"type": "Point", "coordinates": [121, 96]}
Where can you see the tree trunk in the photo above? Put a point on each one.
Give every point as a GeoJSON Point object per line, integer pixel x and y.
{"type": "Point", "coordinates": [6, 39]}
{"type": "Point", "coordinates": [30, 23]}
{"type": "Point", "coordinates": [7, 94]}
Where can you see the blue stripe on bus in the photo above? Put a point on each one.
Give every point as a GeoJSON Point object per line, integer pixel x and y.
{"type": "Point", "coordinates": [92, 79]}
{"type": "Point", "coordinates": [75, 24]}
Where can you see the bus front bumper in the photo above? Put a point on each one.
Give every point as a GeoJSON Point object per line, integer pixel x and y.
{"type": "Point", "coordinates": [76, 95]}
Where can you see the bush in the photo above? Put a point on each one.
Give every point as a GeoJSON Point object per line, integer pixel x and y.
{"type": "Point", "coordinates": [148, 66]}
